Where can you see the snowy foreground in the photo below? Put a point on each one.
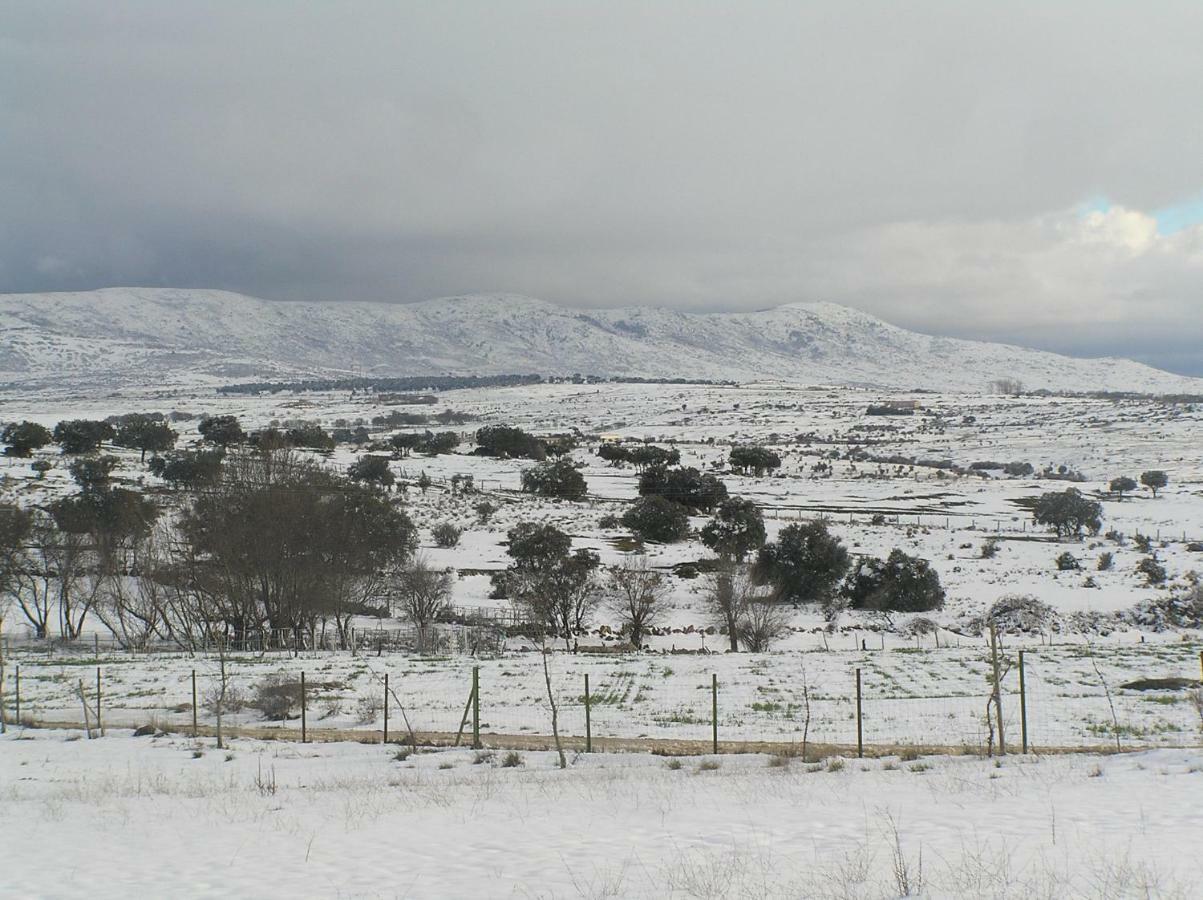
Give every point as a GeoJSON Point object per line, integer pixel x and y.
{"type": "Point", "coordinates": [167, 817]}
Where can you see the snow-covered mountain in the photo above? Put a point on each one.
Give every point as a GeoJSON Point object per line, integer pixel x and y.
{"type": "Point", "coordinates": [166, 336]}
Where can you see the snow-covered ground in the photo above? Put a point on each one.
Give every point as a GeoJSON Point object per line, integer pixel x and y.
{"type": "Point", "coordinates": [122, 816]}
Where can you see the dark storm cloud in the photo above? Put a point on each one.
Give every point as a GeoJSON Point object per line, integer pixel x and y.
{"type": "Point", "coordinates": [925, 161]}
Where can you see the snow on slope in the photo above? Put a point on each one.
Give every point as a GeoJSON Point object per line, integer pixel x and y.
{"type": "Point", "coordinates": [153, 335]}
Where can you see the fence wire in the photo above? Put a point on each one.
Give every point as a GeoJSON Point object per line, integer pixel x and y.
{"type": "Point", "coordinates": [1072, 697]}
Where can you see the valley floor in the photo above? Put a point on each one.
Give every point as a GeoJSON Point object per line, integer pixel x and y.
{"type": "Point", "coordinates": [164, 816]}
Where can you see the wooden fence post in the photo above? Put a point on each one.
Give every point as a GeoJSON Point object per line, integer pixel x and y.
{"type": "Point", "coordinates": [304, 732]}
{"type": "Point", "coordinates": [195, 732]}
{"type": "Point", "coordinates": [18, 696]}
{"type": "Point", "coordinates": [714, 711]}
{"type": "Point", "coordinates": [860, 734]}
{"type": "Point", "coordinates": [476, 707]}
{"type": "Point", "coordinates": [385, 741]}
{"type": "Point", "coordinates": [99, 727]}
{"type": "Point", "coordinates": [588, 724]}
{"type": "Point", "coordinates": [1023, 705]}
{"type": "Point", "coordinates": [997, 678]}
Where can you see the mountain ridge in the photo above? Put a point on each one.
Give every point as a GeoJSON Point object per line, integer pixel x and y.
{"type": "Point", "coordinates": [175, 335]}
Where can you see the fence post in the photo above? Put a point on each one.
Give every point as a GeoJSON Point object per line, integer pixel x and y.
{"type": "Point", "coordinates": [860, 734]}
{"type": "Point", "coordinates": [304, 734]}
{"type": "Point", "coordinates": [19, 696]}
{"type": "Point", "coordinates": [96, 645]}
{"type": "Point", "coordinates": [997, 677]}
{"type": "Point", "coordinates": [476, 707]}
{"type": "Point", "coordinates": [1023, 705]}
{"type": "Point", "coordinates": [714, 711]}
{"type": "Point", "coordinates": [99, 729]}
{"type": "Point", "coordinates": [588, 724]}
{"type": "Point", "coordinates": [385, 741]}
{"type": "Point", "coordinates": [195, 732]}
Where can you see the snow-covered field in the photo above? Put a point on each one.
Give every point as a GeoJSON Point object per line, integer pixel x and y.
{"type": "Point", "coordinates": [173, 816]}
{"type": "Point", "coordinates": [166, 816]}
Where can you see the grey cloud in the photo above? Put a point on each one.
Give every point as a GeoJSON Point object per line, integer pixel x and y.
{"type": "Point", "coordinates": [919, 160]}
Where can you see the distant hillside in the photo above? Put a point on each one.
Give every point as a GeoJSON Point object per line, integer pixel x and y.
{"type": "Point", "coordinates": [150, 335]}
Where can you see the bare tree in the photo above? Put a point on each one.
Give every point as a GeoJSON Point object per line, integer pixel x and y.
{"type": "Point", "coordinates": [727, 593]}
{"type": "Point", "coordinates": [423, 593]}
{"type": "Point", "coordinates": [637, 596]}
{"type": "Point", "coordinates": [219, 695]}
{"type": "Point", "coordinates": [50, 578]}
{"type": "Point", "coordinates": [551, 699]}
{"type": "Point", "coordinates": [132, 597]}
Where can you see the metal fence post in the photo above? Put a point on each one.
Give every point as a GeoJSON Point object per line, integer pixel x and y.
{"type": "Point", "coordinates": [476, 707]}
{"type": "Point", "coordinates": [714, 711]}
{"type": "Point", "coordinates": [1023, 705]}
{"type": "Point", "coordinates": [588, 724]}
{"type": "Point", "coordinates": [385, 741]}
{"type": "Point", "coordinates": [860, 734]}
{"type": "Point", "coordinates": [98, 725]}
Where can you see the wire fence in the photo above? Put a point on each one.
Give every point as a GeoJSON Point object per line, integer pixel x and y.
{"type": "Point", "coordinates": [1059, 698]}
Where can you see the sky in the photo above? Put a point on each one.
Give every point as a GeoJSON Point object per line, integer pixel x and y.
{"type": "Point", "coordinates": [1027, 172]}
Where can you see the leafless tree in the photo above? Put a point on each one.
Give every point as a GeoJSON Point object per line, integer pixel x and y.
{"type": "Point", "coordinates": [727, 593]}
{"type": "Point", "coordinates": [423, 593]}
{"type": "Point", "coordinates": [132, 596]}
{"type": "Point", "coordinates": [637, 596]}
{"type": "Point", "coordinates": [50, 577]}
{"type": "Point", "coordinates": [551, 699]}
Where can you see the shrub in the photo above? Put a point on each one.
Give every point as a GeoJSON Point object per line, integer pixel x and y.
{"type": "Point", "coordinates": [512, 760]}
{"type": "Point", "coordinates": [484, 511]}
{"type": "Point", "coordinates": [1153, 571]}
{"type": "Point", "coordinates": [608, 521]}
{"type": "Point", "coordinates": [1067, 562]}
{"type": "Point", "coordinates": [558, 479]}
{"type": "Point", "coordinates": [371, 469]}
{"type": "Point", "coordinates": [445, 534]}
{"type": "Point", "coordinates": [1106, 561]}
{"type": "Point", "coordinates": [369, 707]}
{"type": "Point", "coordinates": [656, 518]}
{"type": "Point", "coordinates": [736, 529]}
{"type": "Point", "coordinates": [277, 697]}
{"type": "Point", "coordinates": [990, 549]}
{"type": "Point", "coordinates": [900, 583]}
{"type": "Point", "coordinates": [804, 564]}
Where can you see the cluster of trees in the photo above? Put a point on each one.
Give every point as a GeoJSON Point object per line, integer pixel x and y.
{"type": "Point", "coordinates": [428, 443]}
{"type": "Point", "coordinates": [641, 456]}
{"type": "Point", "coordinates": [1154, 480]}
{"type": "Point", "coordinates": [135, 431]}
{"type": "Point", "coordinates": [562, 588]}
{"type": "Point", "coordinates": [754, 460]}
{"type": "Point", "coordinates": [684, 485]}
{"type": "Point", "coordinates": [397, 419]}
{"type": "Point", "coordinates": [276, 542]}
{"type": "Point", "coordinates": [508, 442]}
